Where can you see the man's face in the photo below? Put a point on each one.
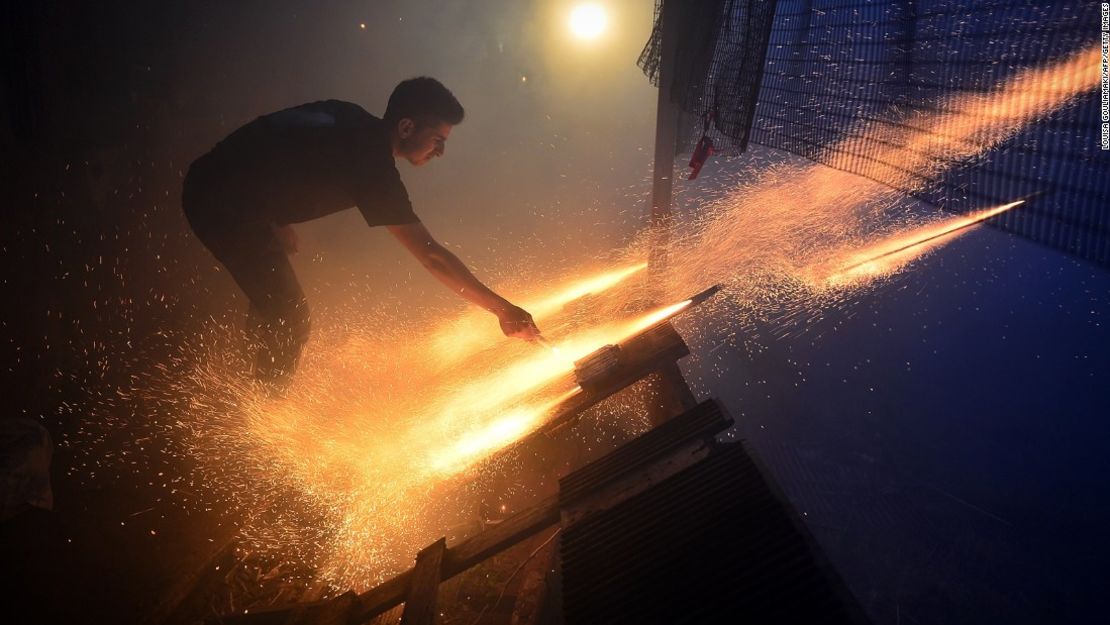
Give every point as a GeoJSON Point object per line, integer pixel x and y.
{"type": "Point", "coordinates": [422, 143]}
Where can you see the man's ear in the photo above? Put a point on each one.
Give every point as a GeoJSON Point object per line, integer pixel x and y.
{"type": "Point", "coordinates": [405, 127]}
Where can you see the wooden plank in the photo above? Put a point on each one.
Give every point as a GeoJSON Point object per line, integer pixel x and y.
{"type": "Point", "coordinates": [461, 557]}
{"type": "Point", "coordinates": [335, 612]}
{"type": "Point", "coordinates": [324, 612]}
{"type": "Point", "coordinates": [667, 386]}
{"type": "Point", "coordinates": [670, 394]}
{"type": "Point", "coordinates": [423, 592]}
{"type": "Point", "coordinates": [699, 423]}
{"type": "Point", "coordinates": [667, 116]}
{"type": "Point", "coordinates": [635, 482]}
{"type": "Point", "coordinates": [389, 594]}
{"type": "Point", "coordinates": [182, 601]}
{"type": "Point", "coordinates": [683, 397]}
{"type": "Point", "coordinates": [331, 612]}
{"type": "Point", "coordinates": [501, 536]}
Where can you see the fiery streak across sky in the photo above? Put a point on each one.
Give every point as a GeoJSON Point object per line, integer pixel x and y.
{"type": "Point", "coordinates": [894, 252]}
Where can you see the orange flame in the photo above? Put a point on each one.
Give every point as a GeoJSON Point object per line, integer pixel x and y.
{"type": "Point", "coordinates": [459, 339]}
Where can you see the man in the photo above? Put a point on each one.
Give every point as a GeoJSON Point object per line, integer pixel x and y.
{"type": "Point", "coordinates": [313, 160]}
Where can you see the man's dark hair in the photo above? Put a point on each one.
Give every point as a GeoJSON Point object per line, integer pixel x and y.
{"type": "Point", "coordinates": [423, 100]}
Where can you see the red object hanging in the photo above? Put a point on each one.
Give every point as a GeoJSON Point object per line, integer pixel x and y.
{"type": "Point", "coordinates": [701, 153]}
{"type": "Point", "coordinates": [703, 150]}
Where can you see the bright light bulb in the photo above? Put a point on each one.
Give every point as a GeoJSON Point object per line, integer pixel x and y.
{"type": "Point", "coordinates": [588, 21]}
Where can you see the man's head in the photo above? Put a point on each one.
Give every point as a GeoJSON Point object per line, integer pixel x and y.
{"type": "Point", "coordinates": [420, 115]}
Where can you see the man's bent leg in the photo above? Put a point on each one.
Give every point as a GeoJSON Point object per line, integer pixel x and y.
{"type": "Point", "coordinates": [278, 318]}
{"type": "Point", "coordinates": [278, 340]}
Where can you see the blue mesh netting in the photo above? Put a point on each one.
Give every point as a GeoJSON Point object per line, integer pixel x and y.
{"type": "Point", "coordinates": [846, 82]}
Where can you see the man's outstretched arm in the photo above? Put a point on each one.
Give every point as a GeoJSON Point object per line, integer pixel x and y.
{"type": "Point", "coordinates": [451, 271]}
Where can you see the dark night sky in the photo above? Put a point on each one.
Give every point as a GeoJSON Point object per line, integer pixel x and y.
{"type": "Point", "coordinates": [946, 436]}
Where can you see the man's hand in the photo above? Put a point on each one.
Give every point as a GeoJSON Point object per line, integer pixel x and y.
{"type": "Point", "coordinates": [290, 244]}
{"type": "Point", "coordinates": [448, 269]}
{"type": "Point", "coordinates": [517, 323]}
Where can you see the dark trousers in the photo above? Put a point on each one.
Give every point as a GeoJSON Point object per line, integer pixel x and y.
{"type": "Point", "coordinates": [278, 319]}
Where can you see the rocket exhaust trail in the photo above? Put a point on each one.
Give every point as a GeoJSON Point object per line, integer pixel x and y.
{"type": "Point", "coordinates": [932, 234]}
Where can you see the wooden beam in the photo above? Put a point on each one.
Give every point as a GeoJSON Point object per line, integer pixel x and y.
{"type": "Point", "coordinates": [336, 611]}
{"type": "Point", "coordinates": [501, 536]}
{"type": "Point", "coordinates": [460, 557]}
{"type": "Point", "coordinates": [669, 394]}
{"type": "Point", "coordinates": [668, 388]}
{"type": "Point", "coordinates": [385, 596]}
{"type": "Point", "coordinates": [423, 592]}
{"type": "Point", "coordinates": [666, 142]}
{"type": "Point", "coordinates": [396, 590]}
{"type": "Point", "coordinates": [634, 459]}
{"type": "Point", "coordinates": [191, 589]}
